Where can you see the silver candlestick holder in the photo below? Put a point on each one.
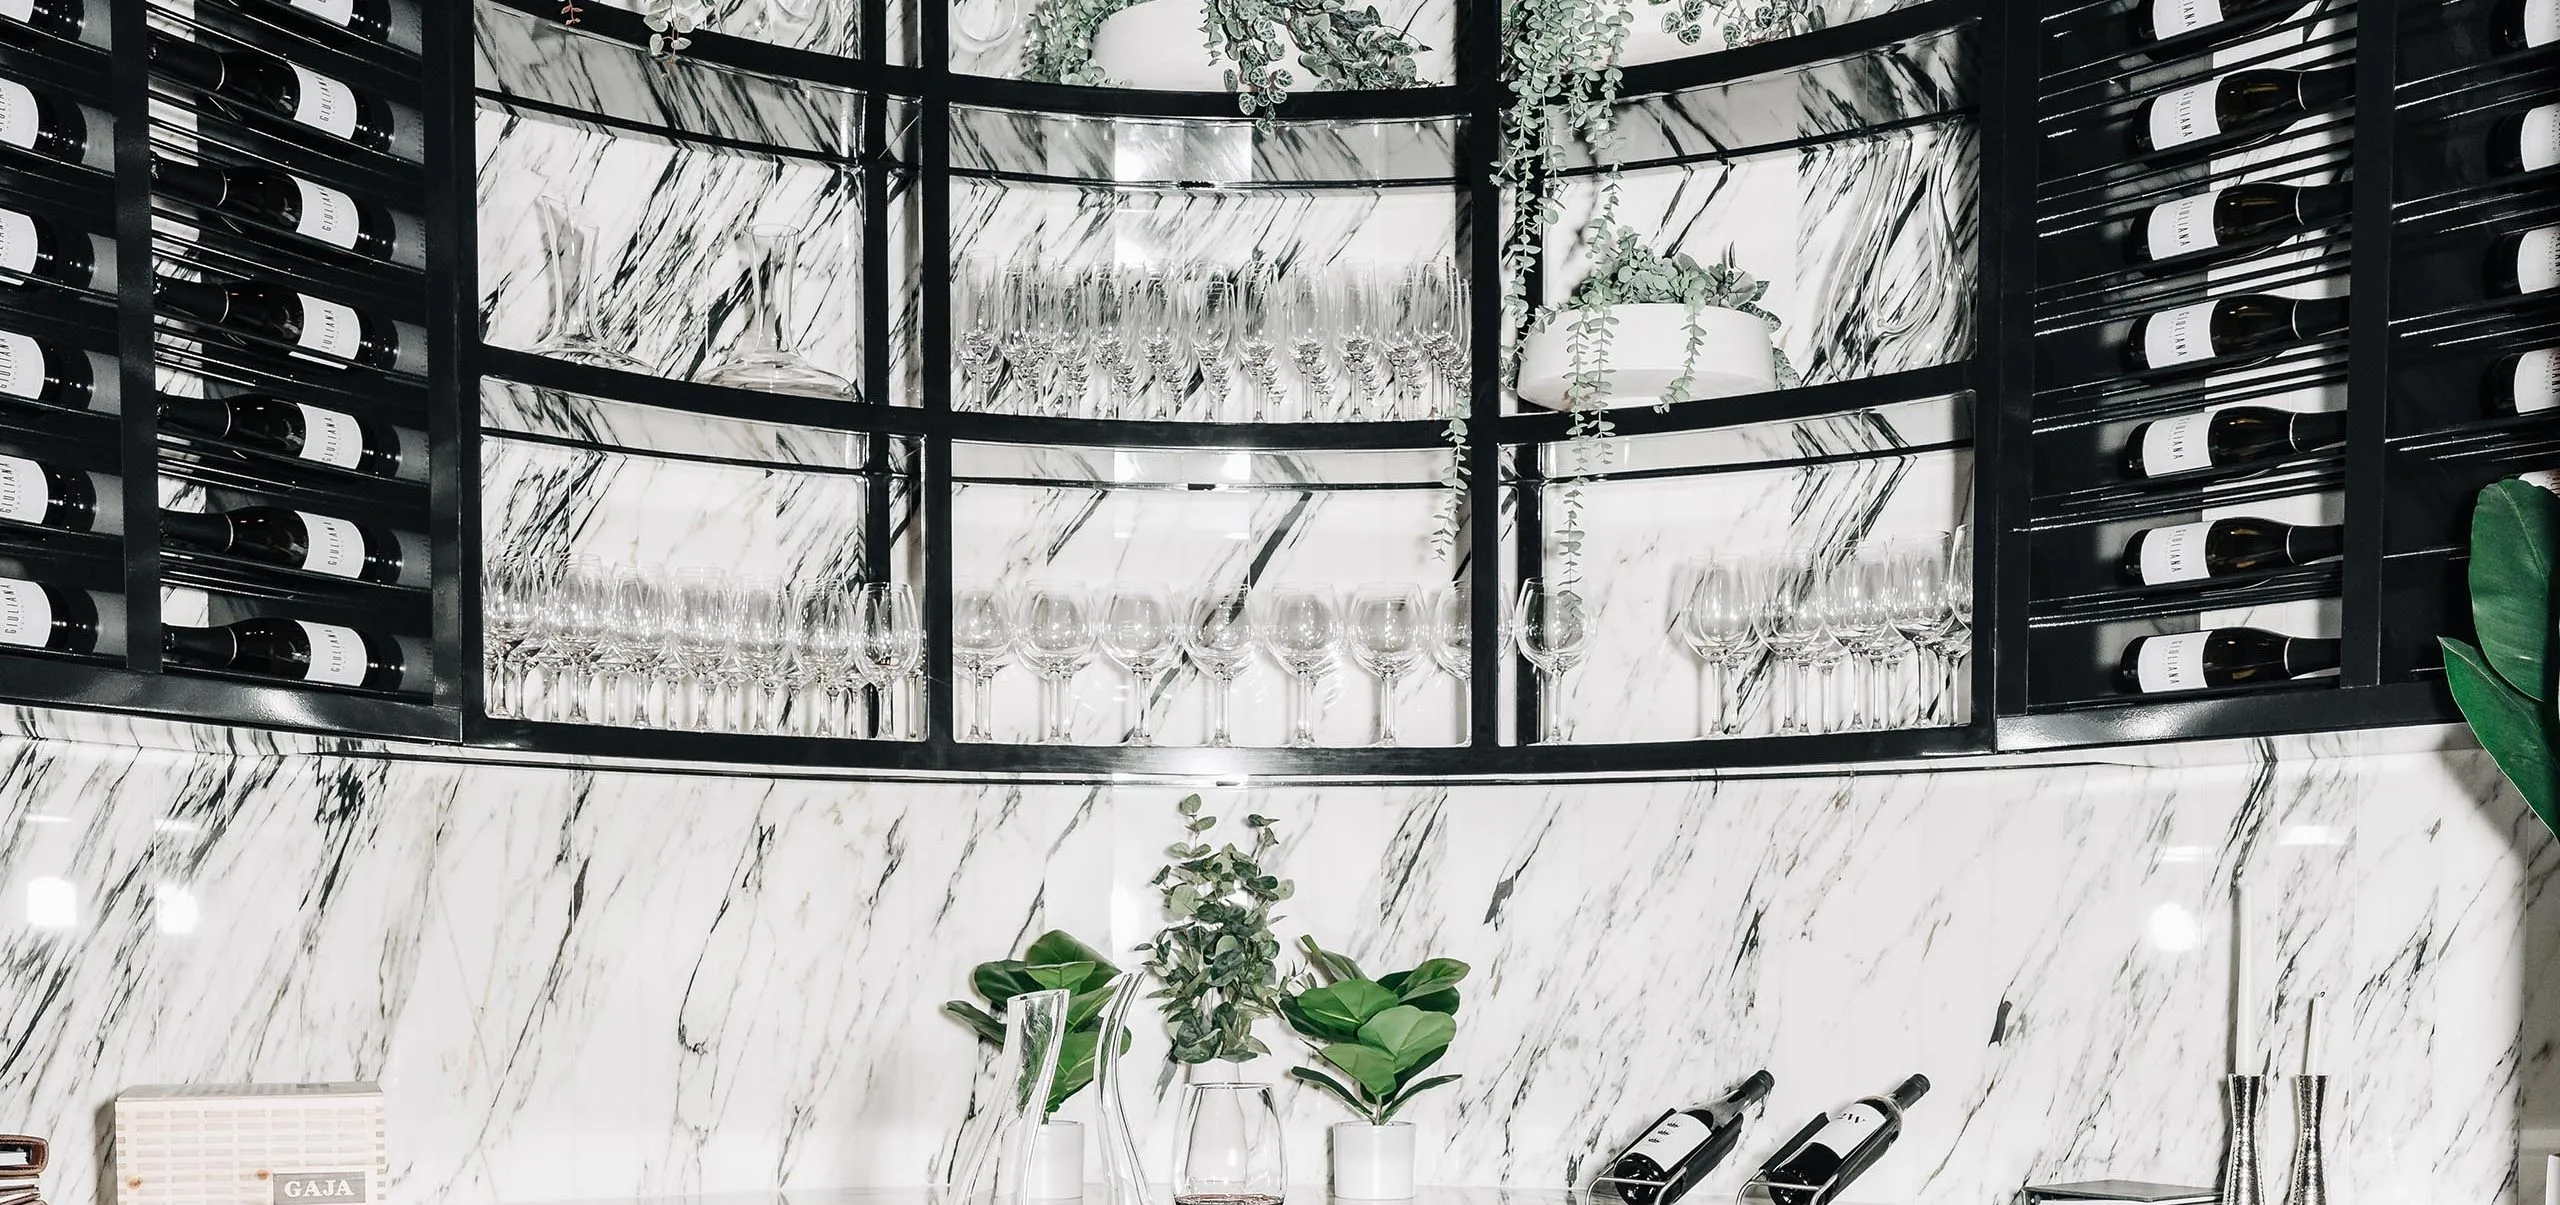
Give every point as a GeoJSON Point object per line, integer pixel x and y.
{"type": "Point", "coordinates": [2310, 1184]}
{"type": "Point", "coordinates": [2244, 1107]}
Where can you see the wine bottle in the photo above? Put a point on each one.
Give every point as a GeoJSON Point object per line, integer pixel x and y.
{"type": "Point", "coordinates": [2525, 382]}
{"type": "Point", "coordinates": [31, 246]}
{"type": "Point", "coordinates": [47, 495]}
{"type": "Point", "coordinates": [2219, 657]}
{"type": "Point", "coordinates": [2228, 438]}
{"type": "Point", "coordinates": [256, 80]}
{"type": "Point", "coordinates": [47, 125]}
{"type": "Point", "coordinates": [369, 19]}
{"type": "Point", "coordinates": [2525, 142]}
{"type": "Point", "coordinates": [36, 371]}
{"type": "Point", "coordinates": [2234, 109]}
{"type": "Point", "coordinates": [325, 330]}
{"type": "Point", "coordinates": [61, 18]}
{"type": "Point", "coordinates": [2208, 224]}
{"type": "Point", "coordinates": [296, 539]}
{"type": "Point", "coordinates": [282, 199]}
{"type": "Point", "coordinates": [2229, 326]}
{"type": "Point", "coordinates": [2518, 24]}
{"type": "Point", "coordinates": [2524, 261]}
{"type": "Point", "coordinates": [2231, 547]}
{"type": "Point", "coordinates": [1680, 1148]}
{"type": "Point", "coordinates": [293, 650]}
{"type": "Point", "coordinates": [299, 430]}
{"type": "Point", "coordinates": [2158, 20]}
{"type": "Point", "coordinates": [38, 615]}
{"type": "Point", "coordinates": [1827, 1155]}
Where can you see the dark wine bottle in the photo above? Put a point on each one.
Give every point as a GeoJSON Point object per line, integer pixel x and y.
{"type": "Point", "coordinates": [293, 650]}
{"type": "Point", "coordinates": [47, 125]}
{"type": "Point", "coordinates": [2232, 547]}
{"type": "Point", "coordinates": [283, 200]}
{"type": "Point", "coordinates": [294, 429]}
{"type": "Point", "coordinates": [2518, 24]}
{"type": "Point", "coordinates": [61, 18]}
{"type": "Point", "coordinates": [32, 246]}
{"type": "Point", "coordinates": [296, 539]}
{"type": "Point", "coordinates": [2206, 226]}
{"type": "Point", "coordinates": [36, 371]}
{"type": "Point", "coordinates": [2235, 109]}
{"type": "Point", "coordinates": [1825, 1157]}
{"type": "Point", "coordinates": [2157, 20]}
{"type": "Point", "coordinates": [256, 80]}
{"type": "Point", "coordinates": [2220, 657]}
{"type": "Point", "coordinates": [2229, 326]}
{"type": "Point", "coordinates": [2228, 438]}
{"type": "Point", "coordinates": [47, 495]}
{"type": "Point", "coordinates": [2524, 261]}
{"type": "Point", "coordinates": [36, 615]}
{"type": "Point", "coordinates": [2525, 142]}
{"type": "Point", "coordinates": [365, 18]}
{"type": "Point", "coordinates": [324, 330]}
{"type": "Point", "coordinates": [1680, 1148]}
{"type": "Point", "coordinates": [2525, 382]}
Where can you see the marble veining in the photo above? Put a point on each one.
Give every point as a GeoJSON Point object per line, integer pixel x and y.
{"type": "Point", "coordinates": [548, 501]}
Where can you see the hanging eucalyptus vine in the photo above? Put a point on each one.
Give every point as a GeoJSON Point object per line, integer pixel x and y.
{"type": "Point", "coordinates": [1343, 47]}
{"type": "Point", "coordinates": [671, 25]}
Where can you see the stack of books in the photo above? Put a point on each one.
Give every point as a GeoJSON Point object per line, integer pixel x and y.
{"type": "Point", "coordinates": [2111, 1192]}
{"type": "Point", "coordinates": [21, 1165]}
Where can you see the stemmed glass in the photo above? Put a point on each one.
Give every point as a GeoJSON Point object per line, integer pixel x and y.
{"type": "Point", "coordinates": [1164, 341]}
{"type": "Point", "coordinates": [1783, 621]}
{"type": "Point", "coordinates": [1861, 633]}
{"type": "Point", "coordinates": [635, 619]}
{"type": "Point", "coordinates": [1389, 629]}
{"type": "Point", "coordinates": [1445, 340]}
{"type": "Point", "coordinates": [506, 600]}
{"type": "Point", "coordinates": [1074, 321]}
{"type": "Point", "coordinates": [1057, 637]}
{"type": "Point", "coordinates": [1115, 301]}
{"type": "Point", "coordinates": [706, 608]}
{"type": "Point", "coordinates": [1026, 345]}
{"type": "Point", "coordinates": [888, 646]}
{"type": "Point", "coordinates": [1715, 622]}
{"type": "Point", "coordinates": [1219, 633]}
{"type": "Point", "coordinates": [1303, 627]}
{"type": "Point", "coordinates": [1917, 601]}
{"type": "Point", "coordinates": [1215, 322]}
{"type": "Point", "coordinates": [1956, 644]}
{"type": "Point", "coordinates": [982, 637]}
{"type": "Point", "coordinates": [979, 295]}
{"type": "Point", "coordinates": [1259, 335]}
{"type": "Point", "coordinates": [826, 652]}
{"type": "Point", "coordinates": [1139, 633]}
{"type": "Point", "coordinates": [1551, 626]}
{"type": "Point", "coordinates": [1408, 308]}
{"type": "Point", "coordinates": [1877, 642]}
{"type": "Point", "coordinates": [576, 615]}
{"type": "Point", "coordinates": [1453, 645]}
{"type": "Point", "coordinates": [1308, 320]}
{"type": "Point", "coordinates": [1366, 302]}
{"type": "Point", "coordinates": [755, 664]}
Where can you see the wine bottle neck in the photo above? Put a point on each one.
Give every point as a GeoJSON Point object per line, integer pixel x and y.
{"type": "Point", "coordinates": [193, 298]}
{"type": "Point", "coordinates": [2321, 204]}
{"type": "Point", "coordinates": [197, 414]}
{"type": "Point", "coordinates": [2314, 542]}
{"type": "Point", "coordinates": [2309, 655]}
{"type": "Point", "coordinates": [1909, 1092]}
{"type": "Point", "coordinates": [204, 531]}
{"type": "Point", "coordinates": [199, 646]}
{"type": "Point", "coordinates": [2322, 87]}
{"type": "Point", "coordinates": [2316, 428]}
{"type": "Point", "coordinates": [187, 62]}
{"type": "Point", "coordinates": [2316, 317]}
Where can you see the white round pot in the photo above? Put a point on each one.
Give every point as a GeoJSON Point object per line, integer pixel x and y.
{"type": "Point", "coordinates": [1646, 352]}
{"type": "Point", "coordinates": [1372, 1162]}
{"type": "Point", "coordinates": [1158, 45]}
{"type": "Point", "coordinates": [1057, 1163]}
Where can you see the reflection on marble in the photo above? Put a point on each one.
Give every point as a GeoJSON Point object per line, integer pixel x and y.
{"type": "Point", "coordinates": [1193, 152]}
{"type": "Point", "coordinates": [548, 501]}
{"type": "Point", "coordinates": [508, 406]}
{"type": "Point", "coordinates": [997, 223]}
{"type": "Point", "coordinates": [1923, 77]}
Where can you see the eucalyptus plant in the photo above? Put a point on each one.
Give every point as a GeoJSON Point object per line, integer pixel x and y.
{"type": "Point", "coordinates": [1629, 273]}
{"type": "Point", "coordinates": [1055, 961]}
{"type": "Point", "coordinates": [2505, 684]}
{"type": "Point", "coordinates": [671, 22]}
{"type": "Point", "coordinates": [1343, 47]}
{"type": "Point", "coordinates": [1216, 956]}
{"type": "Point", "coordinates": [1379, 1034]}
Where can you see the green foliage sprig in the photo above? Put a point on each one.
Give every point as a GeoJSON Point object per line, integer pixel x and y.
{"type": "Point", "coordinates": [1055, 961]}
{"type": "Point", "coordinates": [1217, 958]}
{"type": "Point", "coordinates": [670, 23]}
{"type": "Point", "coordinates": [2504, 685]}
{"type": "Point", "coordinates": [1343, 47]}
{"type": "Point", "coordinates": [1630, 273]}
{"type": "Point", "coordinates": [1379, 1034]}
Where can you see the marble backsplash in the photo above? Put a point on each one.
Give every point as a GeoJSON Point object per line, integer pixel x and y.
{"type": "Point", "coordinates": [576, 983]}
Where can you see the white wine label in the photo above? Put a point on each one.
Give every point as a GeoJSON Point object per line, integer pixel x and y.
{"type": "Point", "coordinates": [17, 243]}
{"type": "Point", "coordinates": [1673, 1140]}
{"type": "Point", "coordinates": [334, 546]}
{"type": "Point", "coordinates": [2174, 554]}
{"type": "Point", "coordinates": [2541, 22]}
{"type": "Point", "coordinates": [330, 437]}
{"type": "Point", "coordinates": [2546, 478]}
{"type": "Point", "coordinates": [2178, 336]}
{"type": "Point", "coordinates": [26, 615]}
{"type": "Point", "coordinates": [18, 118]}
{"type": "Point", "coordinates": [2538, 137]}
{"type": "Point", "coordinates": [2169, 18]}
{"type": "Point", "coordinates": [2171, 662]}
{"type": "Point", "coordinates": [2176, 445]}
{"type": "Point", "coordinates": [2538, 259]}
{"type": "Point", "coordinates": [2185, 115]}
{"type": "Point", "coordinates": [2537, 383]}
{"type": "Point", "coordinates": [337, 654]}
{"type": "Point", "coordinates": [22, 366]}
{"type": "Point", "coordinates": [2182, 227]}
{"type": "Point", "coordinates": [323, 103]}
{"type": "Point", "coordinates": [327, 214]}
{"type": "Point", "coordinates": [23, 494]}
{"type": "Point", "coordinates": [1850, 1128]}
{"type": "Point", "coordinates": [335, 12]}
{"type": "Point", "coordinates": [330, 328]}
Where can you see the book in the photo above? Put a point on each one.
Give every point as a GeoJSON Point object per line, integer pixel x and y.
{"type": "Point", "coordinates": [21, 1154]}
{"type": "Point", "coordinates": [2123, 1192]}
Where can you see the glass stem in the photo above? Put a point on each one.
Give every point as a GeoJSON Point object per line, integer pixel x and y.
{"type": "Point", "coordinates": [1549, 714]}
{"type": "Point", "coordinates": [1718, 706]}
{"type": "Point", "coordinates": [1387, 711]}
{"type": "Point", "coordinates": [1144, 731]}
{"type": "Point", "coordinates": [1218, 734]}
{"type": "Point", "coordinates": [1304, 690]}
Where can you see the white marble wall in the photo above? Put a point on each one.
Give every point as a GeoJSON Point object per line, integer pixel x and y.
{"type": "Point", "coordinates": [579, 984]}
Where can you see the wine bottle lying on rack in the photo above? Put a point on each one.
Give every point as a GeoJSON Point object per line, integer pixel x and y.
{"type": "Point", "coordinates": [291, 650]}
{"type": "Point", "coordinates": [61, 18]}
{"type": "Point", "coordinates": [296, 539]}
{"type": "Point", "coordinates": [2158, 20]}
{"type": "Point", "coordinates": [35, 247]}
{"type": "Point", "coordinates": [1825, 1157]}
{"type": "Point", "coordinates": [302, 431]}
{"type": "Point", "coordinates": [2229, 326]}
{"type": "Point", "coordinates": [2233, 110]}
{"type": "Point", "coordinates": [2220, 657]}
{"type": "Point", "coordinates": [2230, 547]}
{"type": "Point", "coordinates": [2527, 382]}
{"type": "Point", "coordinates": [256, 80]}
{"type": "Point", "coordinates": [325, 331]}
{"type": "Point", "coordinates": [2525, 261]}
{"type": "Point", "coordinates": [2525, 142]}
{"type": "Point", "coordinates": [53, 495]}
{"type": "Point", "coordinates": [2228, 438]}
{"type": "Point", "coordinates": [1680, 1148]}
{"type": "Point", "coordinates": [2210, 225]}
{"type": "Point", "coordinates": [41, 615]}
{"type": "Point", "coordinates": [2518, 24]}
{"type": "Point", "coordinates": [288, 202]}
{"type": "Point", "coordinates": [55, 127]}
{"type": "Point", "coordinates": [37, 371]}
{"type": "Point", "coordinates": [394, 22]}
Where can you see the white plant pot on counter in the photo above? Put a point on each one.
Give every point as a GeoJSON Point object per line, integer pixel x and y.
{"type": "Point", "coordinates": [1159, 45]}
{"type": "Point", "coordinates": [1372, 1162]}
{"type": "Point", "coordinates": [1057, 1163]}
{"type": "Point", "coordinates": [1646, 352]}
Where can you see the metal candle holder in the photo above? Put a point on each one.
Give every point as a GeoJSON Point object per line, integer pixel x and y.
{"type": "Point", "coordinates": [2310, 1185]}
{"type": "Point", "coordinates": [2244, 1107]}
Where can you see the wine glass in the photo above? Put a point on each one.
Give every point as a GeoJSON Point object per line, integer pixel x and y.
{"type": "Point", "coordinates": [1862, 627]}
{"type": "Point", "coordinates": [1214, 321]}
{"type": "Point", "coordinates": [635, 618]}
{"type": "Point", "coordinates": [1367, 301]}
{"type": "Point", "coordinates": [1956, 644]}
{"type": "Point", "coordinates": [1163, 341]}
{"type": "Point", "coordinates": [1784, 623]}
{"type": "Point", "coordinates": [1302, 626]}
{"type": "Point", "coordinates": [576, 613]}
{"type": "Point", "coordinates": [1715, 622]}
{"type": "Point", "coordinates": [1057, 638]}
{"type": "Point", "coordinates": [1259, 335]}
{"type": "Point", "coordinates": [1389, 629]}
{"type": "Point", "coordinates": [706, 609]}
{"type": "Point", "coordinates": [978, 296]}
{"type": "Point", "coordinates": [826, 650]}
{"type": "Point", "coordinates": [764, 621]}
{"type": "Point", "coordinates": [1551, 625]}
{"type": "Point", "coordinates": [1138, 632]}
{"type": "Point", "coordinates": [982, 637]}
{"type": "Point", "coordinates": [1219, 634]}
{"type": "Point", "coordinates": [1308, 309]}
{"type": "Point", "coordinates": [1453, 627]}
{"type": "Point", "coordinates": [1917, 601]}
{"type": "Point", "coordinates": [888, 646]}
{"type": "Point", "coordinates": [507, 614]}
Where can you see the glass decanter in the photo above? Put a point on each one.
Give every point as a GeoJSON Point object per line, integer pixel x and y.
{"type": "Point", "coordinates": [995, 1151]}
{"type": "Point", "coordinates": [568, 244]}
{"type": "Point", "coordinates": [765, 356]}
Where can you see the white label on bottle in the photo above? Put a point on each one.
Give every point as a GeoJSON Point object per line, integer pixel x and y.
{"type": "Point", "coordinates": [327, 214]}
{"type": "Point", "coordinates": [17, 243]}
{"type": "Point", "coordinates": [2178, 336]}
{"type": "Point", "coordinates": [23, 494]}
{"type": "Point", "coordinates": [1673, 1140]}
{"type": "Point", "coordinates": [2538, 137]}
{"type": "Point", "coordinates": [332, 546]}
{"type": "Point", "coordinates": [1850, 1128]}
{"type": "Point", "coordinates": [2537, 383]}
{"type": "Point", "coordinates": [2541, 22]}
{"type": "Point", "coordinates": [2538, 259]}
{"type": "Point", "coordinates": [330, 437]}
{"type": "Point", "coordinates": [2174, 554]}
{"type": "Point", "coordinates": [18, 119]}
{"type": "Point", "coordinates": [2546, 478]}
{"type": "Point", "coordinates": [2171, 662]}
{"type": "Point", "coordinates": [2182, 227]}
{"type": "Point", "coordinates": [337, 654]}
{"type": "Point", "coordinates": [18, 10]}
{"type": "Point", "coordinates": [2176, 445]}
{"type": "Point", "coordinates": [2184, 115]}
{"type": "Point", "coordinates": [2169, 18]}
{"type": "Point", "coordinates": [21, 366]}
{"type": "Point", "coordinates": [323, 103]}
{"type": "Point", "coordinates": [330, 328]}
{"type": "Point", "coordinates": [26, 615]}
{"type": "Point", "coordinates": [335, 12]}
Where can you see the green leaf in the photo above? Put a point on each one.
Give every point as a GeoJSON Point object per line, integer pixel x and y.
{"type": "Point", "coordinates": [1408, 1034]}
{"type": "Point", "coordinates": [1405, 1097]}
{"type": "Point", "coordinates": [1190, 805]}
{"type": "Point", "coordinates": [1374, 1068]}
{"type": "Point", "coordinates": [1431, 978]}
{"type": "Point", "coordinates": [998, 982]}
{"type": "Point", "coordinates": [2515, 532]}
{"type": "Point", "coordinates": [988, 1029]}
{"type": "Point", "coordinates": [1344, 1094]}
{"type": "Point", "coordinates": [2517, 733]}
{"type": "Point", "coordinates": [1336, 1013]}
{"type": "Point", "coordinates": [1075, 1066]}
{"type": "Point", "coordinates": [1329, 966]}
{"type": "Point", "coordinates": [1067, 976]}
{"type": "Point", "coordinates": [1057, 945]}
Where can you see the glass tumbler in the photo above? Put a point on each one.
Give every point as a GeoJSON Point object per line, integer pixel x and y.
{"type": "Point", "coordinates": [1227, 1147]}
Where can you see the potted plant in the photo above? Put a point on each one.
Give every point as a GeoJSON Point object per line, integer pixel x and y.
{"type": "Point", "coordinates": [1677, 331]}
{"type": "Point", "coordinates": [1256, 48]}
{"type": "Point", "coordinates": [1374, 1039]}
{"type": "Point", "coordinates": [1054, 961]}
{"type": "Point", "coordinates": [2504, 684]}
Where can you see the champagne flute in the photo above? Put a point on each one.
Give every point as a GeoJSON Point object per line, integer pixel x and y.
{"type": "Point", "coordinates": [1303, 627]}
{"type": "Point", "coordinates": [982, 638]}
{"type": "Point", "coordinates": [1214, 322]}
{"type": "Point", "coordinates": [1308, 320]}
{"type": "Point", "coordinates": [1389, 629]}
{"type": "Point", "coordinates": [1551, 625]}
{"type": "Point", "coordinates": [1164, 341]}
{"type": "Point", "coordinates": [1140, 635]}
{"type": "Point", "coordinates": [1219, 634]}
{"type": "Point", "coordinates": [1058, 637]}
{"type": "Point", "coordinates": [1259, 336]}
{"type": "Point", "coordinates": [979, 295]}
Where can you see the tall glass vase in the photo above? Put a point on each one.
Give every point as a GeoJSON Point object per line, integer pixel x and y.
{"type": "Point", "coordinates": [575, 334]}
{"type": "Point", "coordinates": [766, 356]}
{"type": "Point", "coordinates": [1227, 1147]}
{"type": "Point", "coordinates": [1124, 1179]}
{"type": "Point", "coordinates": [995, 1153]}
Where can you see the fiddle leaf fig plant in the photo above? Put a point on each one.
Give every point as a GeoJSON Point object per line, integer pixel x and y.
{"type": "Point", "coordinates": [1374, 1037]}
{"type": "Point", "coordinates": [1055, 961]}
{"type": "Point", "coordinates": [1216, 956]}
{"type": "Point", "coordinates": [2504, 684]}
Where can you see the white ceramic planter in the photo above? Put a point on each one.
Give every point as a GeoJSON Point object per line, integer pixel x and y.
{"type": "Point", "coordinates": [1158, 45]}
{"type": "Point", "coordinates": [1057, 1163]}
{"type": "Point", "coordinates": [1646, 352]}
{"type": "Point", "coordinates": [1372, 1162]}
